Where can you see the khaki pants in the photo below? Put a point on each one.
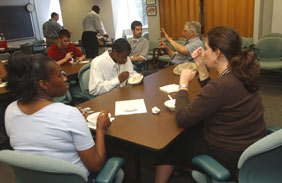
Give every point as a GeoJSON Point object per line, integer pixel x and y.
{"type": "Point", "coordinates": [51, 41]}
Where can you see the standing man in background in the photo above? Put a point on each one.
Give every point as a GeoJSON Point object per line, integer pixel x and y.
{"type": "Point", "coordinates": [92, 25]}
{"type": "Point", "coordinates": [139, 46]}
{"type": "Point", "coordinates": [51, 29]}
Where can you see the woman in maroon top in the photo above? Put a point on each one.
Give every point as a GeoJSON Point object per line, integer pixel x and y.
{"type": "Point", "coordinates": [226, 116]}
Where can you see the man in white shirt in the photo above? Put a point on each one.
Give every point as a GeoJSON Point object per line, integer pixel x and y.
{"type": "Point", "coordinates": [92, 25]}
{"type": "Point", "coordinates": [139, 46]}
{"type": "Point", "coordinates": [111, 69]}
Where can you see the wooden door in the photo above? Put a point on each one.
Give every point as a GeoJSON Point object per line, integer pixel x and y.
{"type": "Point", "coordinates": [174, 13]}
{"type": "Point", "coordinates": [238, 14]}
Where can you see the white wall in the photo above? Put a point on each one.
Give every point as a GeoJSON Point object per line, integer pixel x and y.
{"type": "Point", "coordinates": [73, 12]}
{"type": "Point", "coordinates": [154, 25]}
{"type": "Point", "coordinates": [43, 10]}
{"type": "Point", "coordinates": [276, 16]}
{"type": "Point", "coordinates": [73, 19]}
{"type": "Point", "coordinates": [267, 16]}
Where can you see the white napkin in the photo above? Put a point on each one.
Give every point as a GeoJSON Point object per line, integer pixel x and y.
{"type": "Point", "coordinates": [3, 84]}
{"type": "Point", "coordinates": [84, 62]}
{"type": "Point", "coordinates": [170, 88]}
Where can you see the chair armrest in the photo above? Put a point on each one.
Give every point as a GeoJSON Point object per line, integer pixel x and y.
{"type": "Point", "coordinates": [271, 129]}
{"type": "Point", "coordinates": [110, 169]}
{"type": "Point", "coordinates": [211, 167]}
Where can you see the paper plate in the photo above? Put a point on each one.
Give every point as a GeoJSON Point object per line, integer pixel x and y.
{"type": "Point", "coordinates": [92, 119]}
{"type": "Point", "coordinates": [135, 79]}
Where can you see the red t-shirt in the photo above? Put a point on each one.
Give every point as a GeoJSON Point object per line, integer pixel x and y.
{"type": "Point", "coordinates": [58, 54]}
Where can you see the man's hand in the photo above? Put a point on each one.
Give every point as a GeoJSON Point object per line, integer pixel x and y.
{"type": "Point", "coordinates": [123, 76]}
{"type": "Point", "coordinates": [162, 44]}
{"type": "Point", "coordinates": [165, 34]}
{"type": "Point", "coordinates": [79, 59]}
{"type": "Point", "coordinates": [68, 56]}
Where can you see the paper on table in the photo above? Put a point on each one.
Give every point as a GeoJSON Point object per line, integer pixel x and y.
{"type": "Point", "coordinates": [170, 88]}
{"type": "Point", "coordinates": [127, 107]}
{"type": "Point", "coordinates": [84, 62]}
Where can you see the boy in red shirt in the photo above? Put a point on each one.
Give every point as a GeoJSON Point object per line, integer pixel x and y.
{"type": "Point", "coordinates": [64, 50]}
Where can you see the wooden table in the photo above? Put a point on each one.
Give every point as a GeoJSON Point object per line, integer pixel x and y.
{"type": "Point", "coordinates": [146, 130]}
{"type": "Point", "coordinates": [10, 50]}
{"type": "Point", "coordinates": [71, 69]}
{"type": "Point", "coordinates": [127, 134]}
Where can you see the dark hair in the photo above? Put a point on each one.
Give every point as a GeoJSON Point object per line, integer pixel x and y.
{"type": "Point", "coordinates": [135, 23]}
{"type": "Point", "coordinates": [24, 72]}
{"type": "Point", "coordinates": [121, 45]}
{"type": "Point", "coordinates": [96, 9]}
{"type": "Point", "coordinates": [242, 63]}
{"type": "Point", "coordinates": [54, 14]}
{"type": "Point", "coordinates": [64, 33]}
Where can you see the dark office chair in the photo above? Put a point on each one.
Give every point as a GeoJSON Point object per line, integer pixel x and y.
{"type": "Point", "coordinates": [27, 48]}
{"type": "Point", "coordinates": [30, 168]}
{"type": "Point", "coordinates": [261, 162]}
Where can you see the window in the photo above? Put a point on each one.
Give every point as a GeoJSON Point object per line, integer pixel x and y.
{"type": "Point", "coordinates": [127, 11]}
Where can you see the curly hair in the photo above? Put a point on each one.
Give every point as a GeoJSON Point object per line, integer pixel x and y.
{"type": "Point", "coordinates": [242, 63]}
{"type": "Point", "coordinates": [24, 72]}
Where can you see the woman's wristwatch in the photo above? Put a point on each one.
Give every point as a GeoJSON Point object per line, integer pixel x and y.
{"type": "Point", "coordinates": [183, 86]}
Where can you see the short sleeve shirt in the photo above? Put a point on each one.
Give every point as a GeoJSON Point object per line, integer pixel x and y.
{"type": "Point", "coordinates": [57, 130]}
{"type": "Point", "coordinates": [58, 54]}
{"type": "Point", "coordinates": [191, 45]}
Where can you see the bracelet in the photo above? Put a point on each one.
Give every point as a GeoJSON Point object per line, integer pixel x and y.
{"type": "Point", "coordinates": [204, 75]}
{"type": "Point", "coordinates": [183, 86]}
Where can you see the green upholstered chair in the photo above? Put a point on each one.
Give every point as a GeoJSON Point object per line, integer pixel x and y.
{"type": "Point", "coordinates": [259, 163]}
{"type": "Point", "coordinates": [4, 56]}
{"type": "Point", "coordinates": [153, 52]}
{"type": "Point", "coordinates": [145, 35]}
{"type": "Point", "coordinates": [272, 34]}
{"type": "Point", "coordinates": [247, 42]}
{"type": "Point", "coordinates": [82, 91]}
{"type": "Point", "coordinates": [269, 50]}
{"type": "Point", "coordinates": [66, 99]}
{"type": "Point", "coordinates": [30, 168]}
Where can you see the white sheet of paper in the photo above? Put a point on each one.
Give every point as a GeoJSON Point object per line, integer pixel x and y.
{"type": "Point", "coordinates": [127, 107]}
{"type": "Point", "coordinates": [3, 84]}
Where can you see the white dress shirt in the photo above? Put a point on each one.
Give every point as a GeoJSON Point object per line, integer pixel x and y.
{"type": "Point", "coordinates": [104, 74]}
{"type": "Point", "coordinates": [92, 22]}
